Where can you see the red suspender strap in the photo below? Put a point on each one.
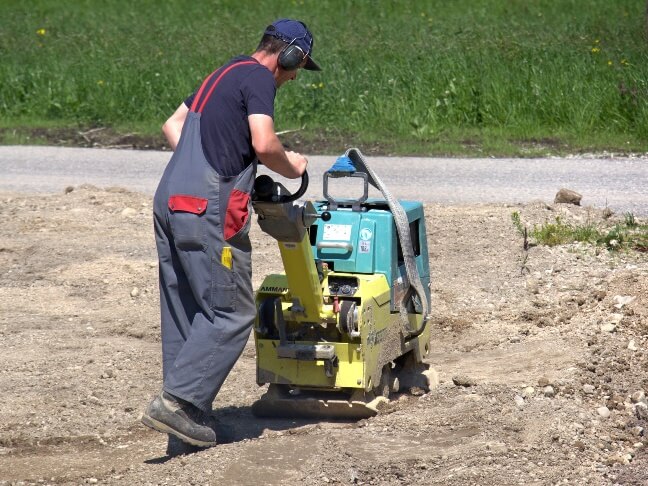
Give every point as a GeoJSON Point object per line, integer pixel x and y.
{"type": "Point", "coordinates": [202, 87]}
{"type": "Point", "coordinates": [211, 89]}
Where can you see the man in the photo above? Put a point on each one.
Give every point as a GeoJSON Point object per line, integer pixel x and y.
{"type": "Point", "coordinates": [202, 217]}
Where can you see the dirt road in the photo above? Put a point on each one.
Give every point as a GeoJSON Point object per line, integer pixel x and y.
{"type": "Point", "coordinates": [543, 359]}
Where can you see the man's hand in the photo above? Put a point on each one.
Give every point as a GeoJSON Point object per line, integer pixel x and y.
{"type": "Point", "coordinates": [297, 160]}
{"type": "Point", "coordinates": [270, 151]}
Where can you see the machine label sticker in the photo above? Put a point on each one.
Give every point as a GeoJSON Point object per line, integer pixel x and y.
{"type": "Point", "coordinates": [366, 234]}
{"type": "Point", "coordinates": [269, 288]}
{"type": "Point", "coordinates": [337, 232]}
{"type": "Point", "coordinates": [365, 246]}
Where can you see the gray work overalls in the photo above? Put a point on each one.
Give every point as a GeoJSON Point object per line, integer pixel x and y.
{"type": "Point", "coordinates": [207, 309]}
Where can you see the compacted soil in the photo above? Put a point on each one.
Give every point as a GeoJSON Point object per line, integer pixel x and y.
{"type": "Point", "coordinates": [542, 355]}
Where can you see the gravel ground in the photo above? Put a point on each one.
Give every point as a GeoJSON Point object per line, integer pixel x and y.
{"type": "Point", "coordinates": [542, 356]}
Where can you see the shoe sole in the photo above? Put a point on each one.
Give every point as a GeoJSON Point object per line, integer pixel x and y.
{"type": "Point", "coordinates": [161, 427]}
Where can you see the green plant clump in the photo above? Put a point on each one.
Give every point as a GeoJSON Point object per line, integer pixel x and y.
{"type": "Point", "coordinates": [629, 236]}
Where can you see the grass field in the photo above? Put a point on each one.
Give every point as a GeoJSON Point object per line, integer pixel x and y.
{"type": "Point", "coordinates": [481, 77]}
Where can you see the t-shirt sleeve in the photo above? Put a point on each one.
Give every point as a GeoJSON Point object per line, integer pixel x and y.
{"type": "Point", "coordinates": [189, 100]}
{"type": "Point", "coordinates": [259, 91]}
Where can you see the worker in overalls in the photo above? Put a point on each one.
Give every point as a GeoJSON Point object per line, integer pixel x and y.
{"type": "Point", "coordinates": [202, 214]}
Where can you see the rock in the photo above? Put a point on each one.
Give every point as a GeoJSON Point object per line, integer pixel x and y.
{"type": "Point", "coordinates": [641, 411]}
{"type": "Point", "coordinates": [473, 396]}
{"type": "Point", "coordinates": [638, 396]}
{"type": "Point", "coordinates": [632, 346]}
{"type": "Point", "coordinates": [497, 448]}
{"type": "Point", "coordinates": [609, 327]}
{"type": "Point", "coordinates": [616, 458]}
{"type": "Point", "coordinates": [68, 189]}
{"type": "Point", "coordinates": [543, 381]}
{"type": "Point", "coordinates": [95, 400]}
{"type": "Point", "coordinates": [519, 401]}
{"type": "Point", "coordinates": [616, 318]}
{"type": "Point", "coordinates": [549, 391]}
{"type": "Point", "coordinates": [135, 292]}
{"type": "Point", "coordinates": [545, 321]}
{"type": "Point", "coordinates": [463, 380]}
{"type": "Point", "coordinates": [588, 389]}
{"type": "Point", "coordinates": [637, 431]}
{"type": "Point", "coordinates": [128, 212]}
{"type": "Point", "coordinates": [568, 196]}
{"type": "Point", "coordinates": [599, 294]}
{"type": "Point", "coordinates": [604, 412]}
{"type": "Point", "coordinates": [622, 300]}
{"type": "Point", "coordinates": [109, 373]}
{"type": "Point", "coordinates": [533, 285]}
{"type": "Point", "coordinates": [615, 402]}
{"type": "Point", "coordinates": [529, 391]}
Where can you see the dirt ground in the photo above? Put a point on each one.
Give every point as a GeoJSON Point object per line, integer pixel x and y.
{"type": "Point", "coordinates": [542, 355]}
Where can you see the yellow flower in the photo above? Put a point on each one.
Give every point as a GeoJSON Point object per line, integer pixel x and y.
{"type": "Point", "coordinates": [609, 63]}
{"type": "Point", "coordinates": [101, 82]}
{"type": "Point", "coordinates": [596, 50]}
{"type": "Point", "coordinates": [596, 41]}
{"type": "Point", "coordinates": [321, 86]}
{"type": "Point", "coordinates": [624, 62]}
{"type": "Point", "coordinates": [41, 31]}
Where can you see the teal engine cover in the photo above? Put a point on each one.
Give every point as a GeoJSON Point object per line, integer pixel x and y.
{"type": "Point", "coordinates": [365, 240]}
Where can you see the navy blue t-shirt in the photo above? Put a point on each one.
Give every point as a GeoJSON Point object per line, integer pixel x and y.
{"type": "Point", "coordinates": [245, 90]}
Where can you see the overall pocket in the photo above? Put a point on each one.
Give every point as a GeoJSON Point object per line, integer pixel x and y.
{"type": "Point", "coordinates": [237, 216]}
{"type": "Point", "coordinates": [224, 291]}
{"type": "Point", "coordinates": [187, 222]}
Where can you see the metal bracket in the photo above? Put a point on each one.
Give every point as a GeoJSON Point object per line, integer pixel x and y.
{"type": "Point", "coordinates": [356, 204]}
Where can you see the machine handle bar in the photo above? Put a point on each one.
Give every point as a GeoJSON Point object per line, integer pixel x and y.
{"type": "Point", "coordinates": [338, 245]}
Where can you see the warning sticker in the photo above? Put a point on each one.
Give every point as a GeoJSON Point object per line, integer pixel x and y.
{"type": "Point", "coordinates": [337, 232]}
{"type": "Point", "coordinates": [365, 246]}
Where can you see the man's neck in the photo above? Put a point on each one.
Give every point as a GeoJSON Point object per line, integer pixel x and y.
{"type": "Point", "coordinates": [267, 60]}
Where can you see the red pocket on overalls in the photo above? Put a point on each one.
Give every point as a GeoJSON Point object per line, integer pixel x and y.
{"type": "Point", "coordinates": [188, 204]}
{"type": "Point", "coordinates": [238, 213]}
{"type": "Point", "coordinates": [187, 222]}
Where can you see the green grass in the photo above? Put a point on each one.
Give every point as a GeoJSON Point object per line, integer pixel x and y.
{"type": "Point", "coordinates": [628, 235]}
{"type": "Point", "coordinates": [478, 77]}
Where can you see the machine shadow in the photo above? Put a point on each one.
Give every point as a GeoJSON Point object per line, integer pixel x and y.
{"type": "Point", "coordinates": [235, 424]}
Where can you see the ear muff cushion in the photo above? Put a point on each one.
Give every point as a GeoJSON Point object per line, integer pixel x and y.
{"type": "Point", "coordinates": [291, 57]}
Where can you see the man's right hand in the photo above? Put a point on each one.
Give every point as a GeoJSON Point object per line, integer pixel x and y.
{"type": "Point", "coordinates": [297, 160]}
{"type": "Point", "coordinates": [270, 151]}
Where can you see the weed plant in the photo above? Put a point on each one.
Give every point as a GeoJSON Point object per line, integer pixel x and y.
{"type": "Point", "coordinates": [629, 236]}
{"type": "Point", "coordinates": [422, 75]}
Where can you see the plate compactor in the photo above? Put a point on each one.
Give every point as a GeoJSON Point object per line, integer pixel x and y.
{"type": "Point", "coordinates": [346, 324]}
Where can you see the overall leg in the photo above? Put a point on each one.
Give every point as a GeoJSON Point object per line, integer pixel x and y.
{"type": "Point", "coordinates": [177, 305]}
{"type": "Point", "coordinates": [218, 333]}
{"type": "Point", "coordinates": [167, 413]}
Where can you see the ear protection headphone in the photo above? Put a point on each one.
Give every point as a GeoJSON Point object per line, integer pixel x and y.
{"type": "Point", "coordinates": [291, 56]}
